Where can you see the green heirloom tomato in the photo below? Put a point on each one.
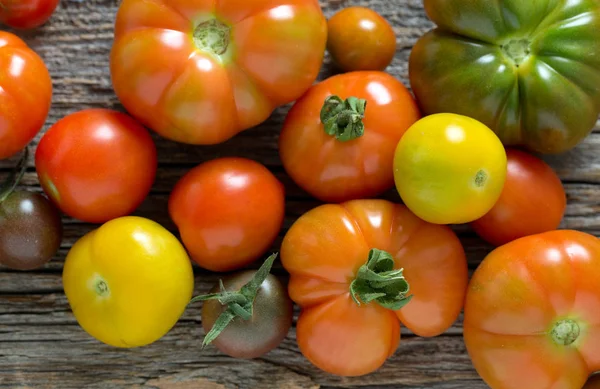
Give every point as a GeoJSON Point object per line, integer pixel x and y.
{"type": "Point", "coordinates": [528, 69]}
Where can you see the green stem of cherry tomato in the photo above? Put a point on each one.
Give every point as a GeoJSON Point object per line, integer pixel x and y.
{"type": "Point", "coordinates": [13, 180]}
{"type": "Point", "coordinates": [378, 281]}
{"type": "Point", "coordinates": [239, 304]}
{"type": "Point", "coordinates": [344, 118]}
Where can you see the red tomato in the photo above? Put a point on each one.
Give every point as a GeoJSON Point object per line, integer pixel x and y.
{"type": "Point", "coordinates": [229, 212]}
{"type": "Point", "coordinates": [201, 71]}
{"type": "Point", "coordinates": [532, 313]}
{"type": "Point", "coordinates": [338, 140]}
{"type": "Point", "coordinates": [533, 201]}
{"type": "Point", "coordinates": [26, 14]}
{"type": "Point", "coordinates": [96, 164]}
{"type": "Point", "coordinates": [358, 38]}
{"type": "Point", "coordinates": [25, 94]}
{"type": "Point", "coordinates": [329, 253]}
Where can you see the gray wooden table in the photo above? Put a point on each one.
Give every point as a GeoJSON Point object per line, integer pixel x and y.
{"type": "Point", "coordinates": [41, 345]}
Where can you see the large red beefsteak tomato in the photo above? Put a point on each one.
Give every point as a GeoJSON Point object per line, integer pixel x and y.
{"type": "Point", "coordinates": [201, 71]}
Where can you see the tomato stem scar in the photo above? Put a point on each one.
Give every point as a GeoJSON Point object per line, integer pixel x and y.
{"type": "Point", "coordinates": [344, 118]}
{"type": "Point", "coordinates": [517, 50]}
{"type": "Point", "coordinates": [378, 281]}
{"type": "Point", "coordinates": [101, 287]}
{"type": "Point", "coordinates": [212, 36]}
{"type": "Point", "coordinates": [480, 178]}
{"type": "Point", "coordinates": [565, 332]}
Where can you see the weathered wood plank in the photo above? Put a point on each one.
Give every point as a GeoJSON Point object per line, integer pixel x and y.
{"type": "Point", "coordinates": [42, 347]}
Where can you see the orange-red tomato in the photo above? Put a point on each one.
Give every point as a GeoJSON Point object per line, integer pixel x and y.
{"type": "Point", "coordinates": [201, 71]}
{"type": "Point", "coordinates": [26, 14]}
{"type": "Point", "coordinates": [360, 39]}
{"type": "Point", "coordinates": [229, 212]}
{"type": "Point", "coordinates": [96, 165]}
{"type": "Point", "coordinates": [532, 313]}
{"type": "Point", "coordinates": [338, 140]}
{"type": "Point", "coordinates": [25, 94]}
{"type": "Point", "coordinates": [324, 252]}
{"type": "Point", "coordinates": [533, 201]}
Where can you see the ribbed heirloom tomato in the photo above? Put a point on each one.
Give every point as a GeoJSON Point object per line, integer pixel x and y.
{"type": "Point", "coordinates": [201, 71]}
{"type": "Point", "coordinates": [26, 14]}
{"type": "Point", "coordinates": [532, 313]}
{"type": "Point", "coordinates": [338, 140]}
{"type": "Point", "coordinates": [25, 94]}
{"type": "Point", "coordinates": [345, 264]}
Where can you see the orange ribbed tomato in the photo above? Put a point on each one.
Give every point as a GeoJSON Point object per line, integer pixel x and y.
{"type": "Point", "coordinates": [201, 71]}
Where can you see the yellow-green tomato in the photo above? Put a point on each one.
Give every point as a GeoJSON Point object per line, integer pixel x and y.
{"type": "Point", "coordinates": [449, 169]}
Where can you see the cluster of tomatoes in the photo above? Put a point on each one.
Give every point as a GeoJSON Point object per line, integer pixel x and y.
{"type": "Point", "coordinates": [359, 265]}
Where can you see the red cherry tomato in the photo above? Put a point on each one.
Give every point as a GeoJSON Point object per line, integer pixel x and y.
{"type": "Point", "coordinates": [229, 212]}
{"type": "Point", "coordinates": [96, 164]}
{"type": "Point", "coordinates": [26, 14]}
{"type": "Point", "coordinates": [25, 94]}
{"type": "Point", "coordinates": [533, 201]}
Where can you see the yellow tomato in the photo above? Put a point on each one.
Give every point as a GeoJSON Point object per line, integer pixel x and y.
{"type": "Point", "coordinates": [128, 282]}
{"type": "Point", "coordinates": [450, 169]}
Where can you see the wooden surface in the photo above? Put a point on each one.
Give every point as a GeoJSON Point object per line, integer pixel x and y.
{"type": "Point", "coordinates": [41, 345]}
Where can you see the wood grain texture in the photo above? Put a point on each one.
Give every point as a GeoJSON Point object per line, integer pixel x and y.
{"type": "Point", "coordinates": [41, 345]}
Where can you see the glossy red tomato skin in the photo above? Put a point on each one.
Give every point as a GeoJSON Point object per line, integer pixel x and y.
{"type": "Point", "coordinates": [533, 201]}
{"type": "Point", "coordinates": [27, 14]}
{"type": "Point", "coordinates": [229, 212]}
{"type": "Point", "coordinates": [97, 164]}
{"type": "Point", "coordinates": [25, 94]}
{"type": "Point", "coordinates": [335, 171]}
{"type": "Point", "coordinates": [360, 39]}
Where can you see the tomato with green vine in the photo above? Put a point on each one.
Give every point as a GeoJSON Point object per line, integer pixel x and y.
{"type": "Point", "coordinates": [26, 14]}
{"type": "Point", "coordinates": [97, 164]}
{"type": "Point", "coordinates": [338, 140]}
{"type": "Point", "coordinates": [248, 313]}
{"type": "Point", "coordinates": [359, 269]}
{"type": "Point", "coordinates": [30, 225]}
{"type": "Point", "coordinates": [358, 38]}
{"type": "Point", "coordinates": [25, 94]}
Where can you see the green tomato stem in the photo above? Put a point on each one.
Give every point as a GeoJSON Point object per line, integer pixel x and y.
{"type": "Point", "coordinates": [378, 281]}
{"type": "Point", "coordinates": [239, 304]}
{"type": "Point", "coordinates": [15, 177]}
{"type": "Point", "coordinates": [565, 332]}
{"type": "Point", "coordinates": [343, 119]}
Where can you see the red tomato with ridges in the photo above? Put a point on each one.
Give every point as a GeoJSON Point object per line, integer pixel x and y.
{"type": "Point", "coordinates": [25, 94]}
{"type": "Point", "coordinates": [96, 165]}
{"type": "Point", "coordinates": [228, 211]}
{"type": "Point", "coordinates": [533, 201]}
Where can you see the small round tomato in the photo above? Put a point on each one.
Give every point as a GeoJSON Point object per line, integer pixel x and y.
{"type": "Point", "coordinates": [533, 201]}
{"type": "Point", "coordinates": [360, 39]}
{"type": "Point", "coordinates": [262, 321]}
{"type": "Point", "coordinates": [338, 140]}
{"type": "Point", "coordinates": [229, 212]}
{"type": "Point", "coordinates": [128, 282]}
{"type": "Point", "coordinates": [25, 94]}
{"type": "Point", "coordinates": [450, 169]}
{"type": "Point", "coordinates": [96, 164]}
{"type": "Point", "coordinates": [26, 14]}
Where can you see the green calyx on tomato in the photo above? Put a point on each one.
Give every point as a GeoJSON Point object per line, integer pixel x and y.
{"type": "Point", "coordinates": [565, 332]}
{"type": "Point", "coordinates": [212, 36]}
{"type": "Point", "coordinates": [529, 70]}
{"type": "Point", "coordinates": [344, 118]}
{"type": "Point", "coordinates": [239, 304]}
{"type": "Point", "coordinates": [378, 281]}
